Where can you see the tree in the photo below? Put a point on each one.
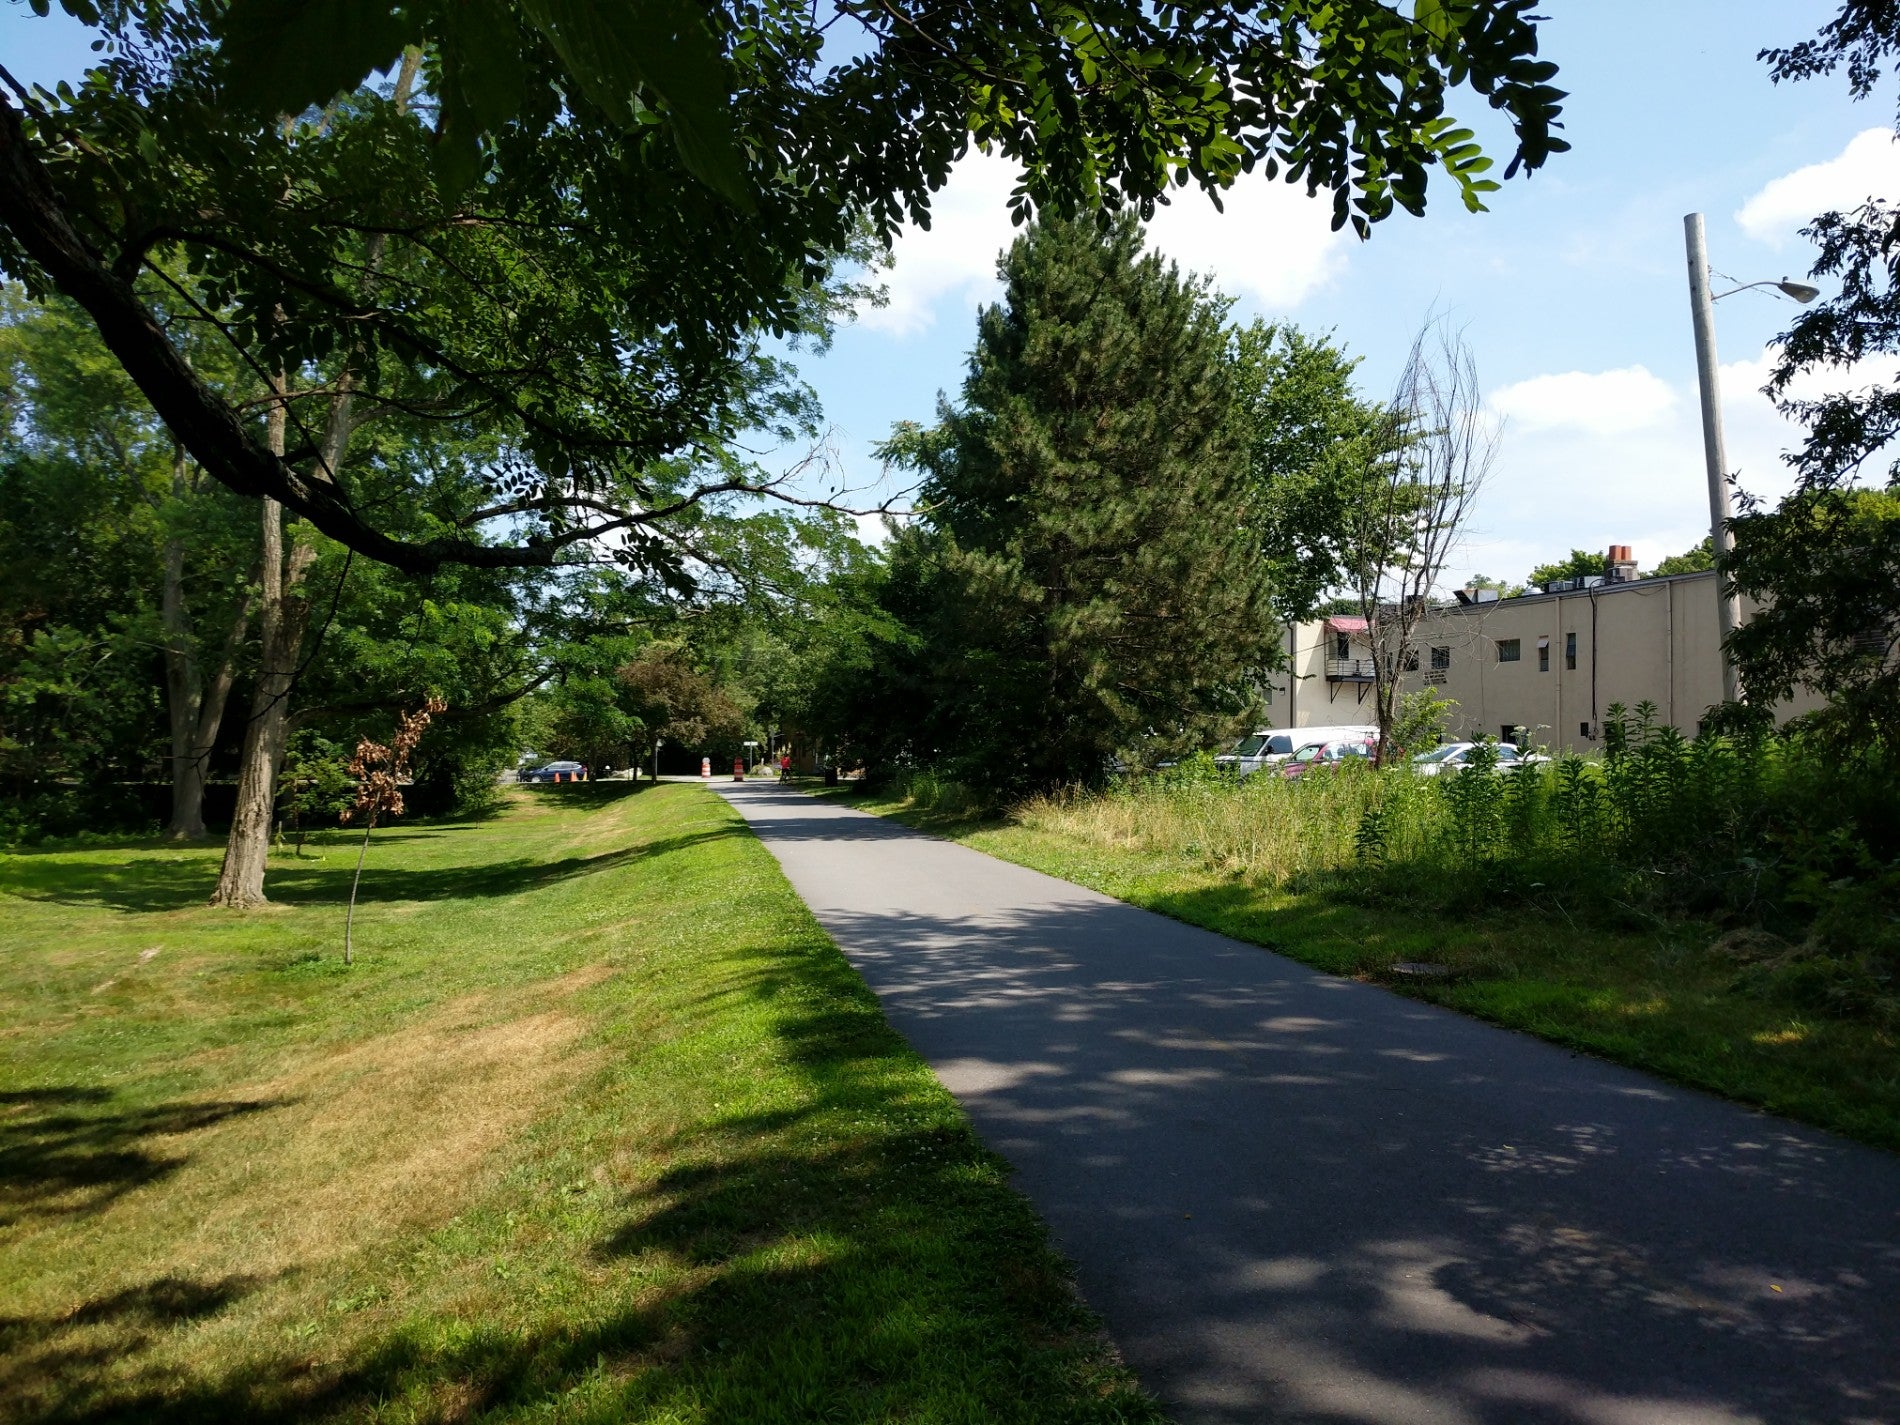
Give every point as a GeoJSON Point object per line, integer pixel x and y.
{"type": "Point", "coordinates": [671, 698]}
{"type": "Point", "coordinates": [81, 442]}
{"type": "Point", "coordinates": [602, 207]}
{"type": "Point", "coordinates": [1693, 560]}
{"type": "Point", "coordinates": [1308, 432]}
{"type": "Point", "coordinates": [1580, 564]}
{"type": "Point", "coordinates": [1823, 565]}
{"type": "Point", "coordinates": [1414, 491]}
{"type": "Point", "coordinates": [1504, 588]}
{"type": "Point", "coordinates": [1826, 566]}
{"type": "Point", "coordinates": [1420, 723]}
{"type": "Point", "coordinates": [1090, 585]}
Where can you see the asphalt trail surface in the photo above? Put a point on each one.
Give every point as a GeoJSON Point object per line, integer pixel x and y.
{"type": "Point", "coordinates": [1295, 1197]}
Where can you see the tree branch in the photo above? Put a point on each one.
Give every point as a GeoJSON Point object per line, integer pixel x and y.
{"type": "Point", "coordinates": [203, 423]}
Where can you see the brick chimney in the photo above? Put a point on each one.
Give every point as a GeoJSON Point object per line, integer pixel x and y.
{"type": "Point", "coordinates": [1622, 566]}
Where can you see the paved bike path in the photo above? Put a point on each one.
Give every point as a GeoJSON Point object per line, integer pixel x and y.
{"type": "Point", "coordinates": [1295, 1197]}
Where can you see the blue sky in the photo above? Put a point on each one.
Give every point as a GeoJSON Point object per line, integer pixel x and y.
{"type": "Point", "coordinates": [1571, 290]}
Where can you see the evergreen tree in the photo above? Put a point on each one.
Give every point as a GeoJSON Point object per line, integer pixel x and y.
{"type": "Point", "coordinates": [1093, 590]}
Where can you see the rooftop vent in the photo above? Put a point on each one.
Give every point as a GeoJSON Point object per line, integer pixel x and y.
{"type": "Point", "coordinates": [1622, 566]}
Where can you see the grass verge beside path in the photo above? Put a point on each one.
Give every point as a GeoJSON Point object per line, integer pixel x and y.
{"type": "Point", "coordinates": [1662, 999]}
{"type": "Point", "coordinates": [600, 1127]}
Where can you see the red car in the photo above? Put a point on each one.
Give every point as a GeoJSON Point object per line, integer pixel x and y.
{"type": "Point", "coordinates": [1325, 755]}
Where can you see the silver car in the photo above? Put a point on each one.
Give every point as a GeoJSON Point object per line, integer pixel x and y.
{"type": "Point", "coordinates": [1456, 756]}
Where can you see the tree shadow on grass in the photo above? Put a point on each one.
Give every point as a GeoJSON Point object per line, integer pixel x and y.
{"type": "Point", "coordinates": [146, 886]}
{"type": "Point", "coordinates": [68, 1151]}
{"type": "Point", "coordinates": [857, 1256]}
{"type": "Point", "coordinates": [584, 794]}
{"type": "Point", "coordinates": [330, 884]}
{"type": "Point", "coordinates": [48, 1361]}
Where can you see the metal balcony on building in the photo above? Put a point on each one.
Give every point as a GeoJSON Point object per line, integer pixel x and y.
{"type": "Point", "coordinates": [1349, 670]}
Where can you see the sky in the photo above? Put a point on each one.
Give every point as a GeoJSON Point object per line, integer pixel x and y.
{"type": "Point", "coordinates": [1571, 291]}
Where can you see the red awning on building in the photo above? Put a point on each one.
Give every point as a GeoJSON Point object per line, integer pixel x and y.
{"type": "Point", "coordinates": [1346, 623]}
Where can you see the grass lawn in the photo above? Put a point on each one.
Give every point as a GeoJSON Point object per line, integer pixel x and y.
{"type": "Point", "coordinates": [600, 1127]}
{"type": "Point", "coordinates": [1661, 999]}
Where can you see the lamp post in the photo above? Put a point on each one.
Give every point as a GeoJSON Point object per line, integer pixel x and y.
{"type": "Point", "coordinates": [1715, 455]}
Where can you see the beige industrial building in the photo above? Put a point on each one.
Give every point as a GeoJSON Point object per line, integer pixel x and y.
{"type": "Point", "coordinates": [1549, 663]}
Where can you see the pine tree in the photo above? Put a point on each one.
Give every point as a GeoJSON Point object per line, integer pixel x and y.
{"type": "Point", "coordinates": [1094, 592]}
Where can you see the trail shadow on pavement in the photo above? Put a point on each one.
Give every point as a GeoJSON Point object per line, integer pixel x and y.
{"type": "Point", "coordinates": [1296, 1197]}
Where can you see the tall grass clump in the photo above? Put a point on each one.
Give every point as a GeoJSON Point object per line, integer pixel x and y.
{"type": "Point", "coordinates": [1789, 849]}
{"type": "Point", "coordinates": [1267, 828]}
{"type": "Point", "coordinates": [928, 790]}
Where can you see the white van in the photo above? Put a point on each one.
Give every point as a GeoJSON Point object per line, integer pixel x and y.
{"type": "Point", "coordinates": [1273, 745]}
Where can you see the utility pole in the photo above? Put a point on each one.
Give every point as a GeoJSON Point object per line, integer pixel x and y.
{"type": "Point", "coordinates": [1702, 310]}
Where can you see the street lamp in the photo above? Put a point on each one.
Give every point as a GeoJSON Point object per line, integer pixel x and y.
{"type": "Point", "coordinates": [1702, 311]}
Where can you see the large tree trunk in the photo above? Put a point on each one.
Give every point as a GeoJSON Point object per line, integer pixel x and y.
{"type": "Point", "coordinates": [284, 613]}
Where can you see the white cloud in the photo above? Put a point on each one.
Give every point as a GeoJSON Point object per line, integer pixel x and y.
{"type": "Point", "coordinates": [954, 260]}
{"type": "Point", "coordinates": [1571, 474]}
{"type": "Point", "coordinates": [1273, 243]}
{"type": "Point", "coordinates": [1868, 167]}
{"type": "Point", "coordinates": [1599, 402]}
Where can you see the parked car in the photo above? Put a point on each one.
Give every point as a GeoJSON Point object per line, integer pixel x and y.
{"type": "Point", "coordinates": [1271, 746]}
{"type": "Point", "coordinates": [1326, 756]}
{"type": "Point", "coordinates": [556, 772]}
{"type": "Point", "coordinates": [1452, 757]}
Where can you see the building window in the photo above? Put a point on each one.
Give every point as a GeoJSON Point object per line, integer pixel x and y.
{"type": "Point", "coordinates": [1441, 657]}
{"type": "Point", "coordinates": [1570, 653]}
{"type": "Point", "coordinates": [1411, 660]}
{"type": "Point", "coordinates": [1509, 650]}
{"type": "Point", "coordinates": [1342, 646]}
{"type": "Point", "coordinates": [1507, 734]}
{"type": "Point", "coordinates": [1543, 655]}
{"type": "Point", "coordinates": [1583, 730]}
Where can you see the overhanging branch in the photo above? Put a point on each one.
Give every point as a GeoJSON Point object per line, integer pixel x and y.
{"type": "Point", "coordinates": [200, 419]}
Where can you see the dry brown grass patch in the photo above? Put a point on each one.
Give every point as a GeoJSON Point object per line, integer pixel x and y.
{"type": "Point", "coordinates": [356, 1145]}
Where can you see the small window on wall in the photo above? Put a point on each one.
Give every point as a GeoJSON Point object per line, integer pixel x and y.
{"type": "Point", "coordinates": [1411, 660]}
{"type": "Point", "coordinates": [1510, 650]}
{"type": "Point", "coordinates": [1441, 658]}
{"type": "Point", "coordinates": [1543, 655]}
{"type": "Point", "coordinates": [1342, 646]}
{"type": "Point", "coordinates": [1570, 654]}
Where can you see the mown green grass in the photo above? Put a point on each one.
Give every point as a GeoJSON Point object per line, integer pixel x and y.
{"type": "Point", "coordinates": [599, 1127]}
{"type": "Point", "coordinates": [1661, 997]}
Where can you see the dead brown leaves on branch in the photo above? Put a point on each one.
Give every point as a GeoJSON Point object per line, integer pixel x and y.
{"type": "Point", "coordinates": [380, 769]}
